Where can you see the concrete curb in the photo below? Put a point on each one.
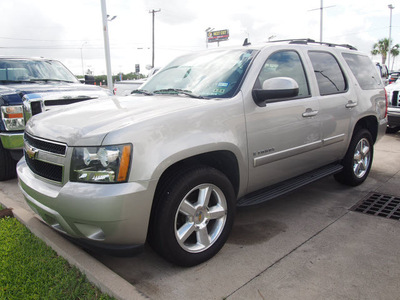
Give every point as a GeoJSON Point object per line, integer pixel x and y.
{"type": "Point", "coordinates": [96, 272]}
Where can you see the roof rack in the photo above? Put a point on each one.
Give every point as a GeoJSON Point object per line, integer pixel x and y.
{"type": "Point", "coordinates": [311, 41]}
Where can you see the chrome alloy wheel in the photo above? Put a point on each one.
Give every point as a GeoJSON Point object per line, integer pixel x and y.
{"type": "Point", "coordinates": [200, 218]}
{"type": "Point", "coordinates": [362, 158]}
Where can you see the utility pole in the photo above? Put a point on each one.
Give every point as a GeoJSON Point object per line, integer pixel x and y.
{"type": "Point", "coordinates": [153, 13]}
{"type": "Point", "coordinates": [321, 9]}
{"type": "Point", "coordinates": [390, 35]}
{"type": "Point", "coordinates": [83, 71]}
{"type": "Point", "coordinates": [107, 45]}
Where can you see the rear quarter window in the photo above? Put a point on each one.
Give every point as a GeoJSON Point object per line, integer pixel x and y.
{"type": "Point", "coordinates": [363, 70]}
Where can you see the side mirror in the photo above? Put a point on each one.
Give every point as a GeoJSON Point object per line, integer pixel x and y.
{"type": "Point", "coordinates": [275, 88]}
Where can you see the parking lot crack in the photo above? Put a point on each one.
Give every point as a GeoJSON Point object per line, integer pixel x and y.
{"type": "Point", "coordinates": [287, 255]}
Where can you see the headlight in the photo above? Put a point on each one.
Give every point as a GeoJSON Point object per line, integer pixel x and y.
{"type": "Point", "coordinates": [101, 164]}
{"type": "Point", "coordinates": [13, 117]}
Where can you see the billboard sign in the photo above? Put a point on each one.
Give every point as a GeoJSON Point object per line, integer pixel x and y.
{"type": "Point", "coordinates": [218, 36]}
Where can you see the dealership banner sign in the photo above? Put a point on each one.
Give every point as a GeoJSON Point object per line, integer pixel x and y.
{"type": "Point", "coordinates": [218, 36]}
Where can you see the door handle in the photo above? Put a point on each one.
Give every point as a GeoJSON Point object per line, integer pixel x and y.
{"type": "Point", "coordinates": [309, 113]}
{"type": "Point", "coordinates": [351, 104]}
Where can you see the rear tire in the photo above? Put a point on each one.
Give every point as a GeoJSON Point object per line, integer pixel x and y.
{"type": "Point", "coordinates": [358, 159]}
{"type": "Point", "coordinates": [193, 216]}
{"type": "Point", "coordinates": [7, 165]}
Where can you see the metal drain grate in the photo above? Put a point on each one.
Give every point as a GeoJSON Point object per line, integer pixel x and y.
{"type": "Point", "coordinates": [379, 205]}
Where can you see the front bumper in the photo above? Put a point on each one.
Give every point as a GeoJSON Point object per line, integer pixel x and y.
{"type": "Point", "coordinates": [12, 141]}
{"type": "Point", "coordinates": [109, 214]}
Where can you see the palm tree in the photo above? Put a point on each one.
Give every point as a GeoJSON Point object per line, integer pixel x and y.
{"type": "Point", "coordinates": [381, 47]}
{"type": "Point", "coordinates": [394, 52]}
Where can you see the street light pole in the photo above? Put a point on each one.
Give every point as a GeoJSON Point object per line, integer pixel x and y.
{"type": "Point", "coordinates": [83, 71]}
{"type": "Point", "coordinates": [153, 12]}
{"type": "Point", "coordinates": [390, 34]}
{"type": "Point", "coordinates": [107, 45]}
{"type": "Point", "coordinates": [321, 21]}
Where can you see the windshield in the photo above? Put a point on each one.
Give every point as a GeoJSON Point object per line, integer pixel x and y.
{"type": "Point", "coordinates": [19, 70]}
{"type": "Point", "coordinates": [208, 74]}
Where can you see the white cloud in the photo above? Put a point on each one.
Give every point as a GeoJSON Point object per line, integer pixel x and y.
{"type": "Point", "coordinates": [65, 29]}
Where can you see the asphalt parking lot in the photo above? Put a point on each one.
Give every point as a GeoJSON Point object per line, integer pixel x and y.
{"type": "Point", "coordinates": [308, 244]}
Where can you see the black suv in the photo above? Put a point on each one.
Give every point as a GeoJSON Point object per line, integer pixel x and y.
{"type": "Point", "coordinates": [29, 86]}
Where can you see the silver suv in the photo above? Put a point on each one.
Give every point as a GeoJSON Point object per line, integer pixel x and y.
{"type": "Point", "coordinates": [209, 132]}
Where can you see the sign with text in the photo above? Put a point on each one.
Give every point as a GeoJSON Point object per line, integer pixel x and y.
{"type": "Point", "coordinates": [218, 36]}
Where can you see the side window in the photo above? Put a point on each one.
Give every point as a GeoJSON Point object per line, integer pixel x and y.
{"type": "Point", "coordinates": [329, 75]}
{"type": "Point", "coordinates": [285, 64]}
{"type": "Point", "coordinates": [364, 71]}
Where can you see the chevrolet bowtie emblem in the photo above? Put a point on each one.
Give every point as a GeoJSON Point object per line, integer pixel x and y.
{"type": "Point", "coordinates": [32, 152]}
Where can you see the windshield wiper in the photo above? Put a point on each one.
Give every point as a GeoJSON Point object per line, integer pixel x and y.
{"type": "Point", "coordinates": [330, 80]}
{"type": "Point", "coordinates": [144, 92]}
{"type": "Point", "coordinates": [14, 81]}
{"type": "Point", "coordinates": [178, 91]}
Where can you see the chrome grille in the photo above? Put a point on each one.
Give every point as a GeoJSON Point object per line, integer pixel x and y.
{"type": "Point", "coordinates": [395, 98]}
{"type": "Point", "coordinates": [36, 107]}
{"type": "Point", "coordinates": [45, 158]}
{"type": "Point", "coordinates": [45, 169]}
{"type": "Point", "coordinates": [65, 101]}
{"type": "Point", "coordinates": [45, 145]}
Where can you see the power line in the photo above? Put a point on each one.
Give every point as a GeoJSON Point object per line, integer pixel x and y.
{"type": "Point", "coordinates": [358, 32]}
{"type": "Point", "coordinates": [49, 47]}
{"type": "Point", "coordinates": [38, 40]}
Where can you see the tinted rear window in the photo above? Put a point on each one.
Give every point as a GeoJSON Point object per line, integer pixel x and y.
{"type": "Point", "coordinates": [363, 70]}
{"type": "Point", "coordinates": [329, 75]}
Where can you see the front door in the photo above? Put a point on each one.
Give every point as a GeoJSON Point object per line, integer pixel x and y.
{"type": "Point", "coordinates": [283, 136]}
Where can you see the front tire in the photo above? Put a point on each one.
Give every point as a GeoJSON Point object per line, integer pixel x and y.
{"type": "Point", "coordinates": [358, 159]}
{"type": "Point", "coordinates": [193, 217]}
{"type": "Point", "coordinates": [7, 165]}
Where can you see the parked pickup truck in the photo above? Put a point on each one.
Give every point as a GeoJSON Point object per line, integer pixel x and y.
{"type": "Point", "coordinates": [210, 131]}
{"type": "Point", "coordinates": [29, 86]}
{"type": "Point", "coordinates": [393, 92]}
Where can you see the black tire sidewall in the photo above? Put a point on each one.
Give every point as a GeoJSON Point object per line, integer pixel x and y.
{"type": "Point", "coordinates": [7, 165]}
{"type": "Point", "coordinates": [168, 203]}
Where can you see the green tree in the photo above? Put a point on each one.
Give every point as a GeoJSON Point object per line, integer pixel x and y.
{"type": "Point", "coordinates": [394, 52]}
{"type": "Point", "coordinates": [381, 48]}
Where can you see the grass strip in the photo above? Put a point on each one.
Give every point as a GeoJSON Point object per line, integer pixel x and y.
{"type": "Point", "coordinates": [29, 269]}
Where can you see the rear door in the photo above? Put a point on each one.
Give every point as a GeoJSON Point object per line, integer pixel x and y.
{"type": "Point", "coordinates": [336, 104]}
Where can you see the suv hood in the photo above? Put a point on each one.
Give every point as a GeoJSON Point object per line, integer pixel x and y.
{"type": "Point", "coordinates": [51, 91]}
{"type": "Point", "coordinates": [87, 124]}
{"type": "Point", "coordinates": [44, 87]}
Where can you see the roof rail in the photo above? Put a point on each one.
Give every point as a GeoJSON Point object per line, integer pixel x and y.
{"type": "Point", "coordinates": [311, 41]}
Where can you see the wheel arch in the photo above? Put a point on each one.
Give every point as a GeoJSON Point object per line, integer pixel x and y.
{"type": "Point", "coordinates": [224, 161]}
{"type": "Point", "coordinates": [370, 123]}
